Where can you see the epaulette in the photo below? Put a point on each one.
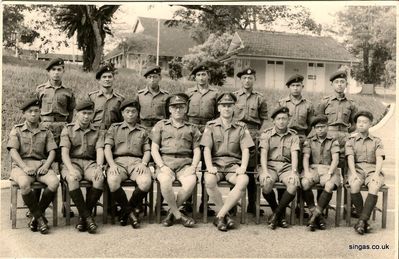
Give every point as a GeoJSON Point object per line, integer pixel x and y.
{"type": "Point", "coordinates": [40, 86]}
{"type": "Point", "coordinates": [213, 88]}
{"type": "Point", "coordinates": [116, 124]}
{"type": "Point", "coordinates": [94, 92]}
{"type": "Point", "coordinates": [240, 123]}
{"type": "Point", "coordinates": [258, 93]}
{"type": "Point", "coordinates": [163, 91]}
{"type": "Point", "coordinates": [211, 122]}
{"type": "Point", "coordinates": [326, 97]}
{"type": "Point", "coordinates": [191, 90]}
{"type": "Point", "coordinates": [70, 124]}
{"type": "Point", "coordinates": [141, 91]}
{"type": "Point", "coordinates": [19, 125]}
{"type": "Point", "coordinates": [119, 95]}
{"type": "Point", "coordinates": [292, 131]}
{"type": "Point", "coordinates": [268, 129]}
{"type": "Point", "coordinates": [353, 135]}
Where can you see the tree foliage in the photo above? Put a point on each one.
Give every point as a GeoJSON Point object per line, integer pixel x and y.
{"type": "Point", "coordinates": [370, 33]}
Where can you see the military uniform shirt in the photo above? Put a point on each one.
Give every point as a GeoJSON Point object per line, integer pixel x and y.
{"type": "Point", "coordinates": [226, 142]}
{"type": "Point", "coordinates": [321, 152]}
{"type": "Point", "coordinates": [340, 111]}
{"type": "Point", "coordinates": [152, 107]}
{"type": "Point", "coordinates": [364, 150]}
{"type": "Point", "coordinates": [127, 141]}
{"type": "Point", "coordinates": [202, 104]}
{"type": "Point", "coordinates": [82, 143]}
{"type": "Point", "coordinates": [279, 146]}
{"type": "Point", "coordinates": [106, 111]}
{"type": "Point", "coordinates": [175, 141]}
{"type": "Point", "coordinates": [300, 113]}
{"type": "Point", "coordinates": [31, 143]}
{"type": "Point", "coordinates": [55, 100]}
{"type": "Point", "coordinates": [250, 109]}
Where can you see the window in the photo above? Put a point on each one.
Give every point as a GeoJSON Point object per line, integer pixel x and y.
{"type": "Point", "coordinates": [270, 62]}
{"type": "Point", "coordinates": [279, 62]}
{"type": "Point", "coordinates": [320, 65]}
{"type": "Point", "coordinates": [312, 77]}
{"type": "Point", "coordinates": [311, 64]}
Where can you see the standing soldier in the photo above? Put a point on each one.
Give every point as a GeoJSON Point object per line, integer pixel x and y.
{"type": "Point", "coordinates": [251, 108]}
{"type": "Point", "coordinates": [202, 108]}
{"type": "Point", "coordinates": [32, 150]}
{"type": "Point", "coordinates": [57, 104]}
{"type": "Point", "coordinates": [127, 150]}
{"type": "Point", "coordinates": [320, 161]}
{"type": "Point", "coordinates": [279, 148]}
{"type": "Point", "coordinates": [106, 100]}
{"type": "Point", "coordinates": [82, 149]}
{"type": "Point", "coordinates": [176, 151]}
{"type": "Point", "coordinates": [340, 112]}
{"type": "Point", "coordinates": [226, 149]}
{"type": "Point", "coordinates": [365, 155]}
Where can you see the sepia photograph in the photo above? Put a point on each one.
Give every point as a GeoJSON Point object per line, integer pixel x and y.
{"type": "Point", "coordinates": [199, 129]}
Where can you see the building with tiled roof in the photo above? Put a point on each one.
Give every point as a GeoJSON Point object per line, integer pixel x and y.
{"type": "Point", "coordinates": [276, 56]}
{"type": "Point", "coordinates": [174, 42]}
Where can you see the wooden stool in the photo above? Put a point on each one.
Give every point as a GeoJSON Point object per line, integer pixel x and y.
{"type": "Point", "coordinates": [384, 189]}
{"type": "Point", "coordinates": [148, 202]}
{"type": "Point", "coordinates": [176, 183]}
{"type": "Point", "coordinates": [14, 202]}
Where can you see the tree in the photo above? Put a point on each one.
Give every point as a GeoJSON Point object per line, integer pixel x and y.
{"type": "Point", "coordinates": [91, 23]}
{"type": "Point", "coordinates": [370, 33]}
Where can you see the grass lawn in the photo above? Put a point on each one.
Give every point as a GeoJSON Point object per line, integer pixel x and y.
{"type": "Point", "coordinates": [20, 78]}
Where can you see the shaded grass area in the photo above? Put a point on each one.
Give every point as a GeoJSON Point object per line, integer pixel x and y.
{"type": "Point", "coordinates": [20, 78]}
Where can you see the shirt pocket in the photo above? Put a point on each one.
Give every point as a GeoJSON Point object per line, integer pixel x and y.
{"type": "Point", "coordinates": [167, 138]}
{"type": "Point", "coordinates": [39, 146]}
{"type": "Point", "coordinates": [253, 111]}
{"type": "Point", "coordinates": [76, 140]}
{"type": "Point", "coordinates": [345, 115]}
{"type": "Point", "coordinates": [218, 141]}
{"type": "Point", "coordinates": [187, 141]}
{"type": "Point", "coordinates": [234, 145]}
{"type": "Point", "coordinates": [159, 108]}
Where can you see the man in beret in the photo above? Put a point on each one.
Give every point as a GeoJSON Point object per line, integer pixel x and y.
{"type": "Point", "coordinates": [106, 100]}
{"type": "Point", "coordinates": [176, 151]}
{"type": "Point", "coordinates": [32, 150]}
{"type": "Point", "coordinates": [279, 148]}
{"type": "Point", "coordinates": [340, 111]}
{"type": "Point", "coordinates": [226, 149]}
{"type": "Point", "coordinates": [82, 150]}
{"type": "Point", "coordinates": [365, 154]}
{"type": "Point", "coordinates": [320, 161]}
{"type": "Point", "coordinates": [251, 108]}
{"type": "Point", "coordinates": [201, 108]}
{"type": "Point", "coordinates": [127, 150]}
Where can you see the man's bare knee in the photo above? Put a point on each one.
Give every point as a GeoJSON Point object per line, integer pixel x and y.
{"type": "Point", "coordinates": [113, 183]}
{"type": "Point", "coordinates": [329, 186]}
{"type": "Point", "coordinates": [242, 182]}
{"type": "Point", "coordinates": [210, 181]}
{"type": "Point", "coordinates": [306, 184]}
{"type": "Point", "coordinates": [268, 187]}
{"type": "Point", "coordinates": [144, 182]}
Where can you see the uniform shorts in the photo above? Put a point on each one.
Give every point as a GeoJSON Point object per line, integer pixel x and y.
{"type": "Point", "coordinates": [16, 171]}
{"type": "Point", "coordinates": [280, 171]}
{"type": "Point", "coordinates": [224, 171]}
{"type": "Point", "coordinates": [126, 166]}
{"type": "Point", "coordinates": [319, 174]}
{"type": "Point", "coordinates": [178, 165]}
{"type": "Point", "coordinates": [364, 173]}
{"type": "Point", "coordinates": [86, 168]}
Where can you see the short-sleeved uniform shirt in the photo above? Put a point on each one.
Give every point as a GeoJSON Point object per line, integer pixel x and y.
{"type": "Point", "coordinates": [279, 146]}
{"type": "Point", "coordinates": [82, 143]}
{"type": "Point", "coordinates": [202, 105]}
{"type": "Point", "coordinates": [226, 143]}
{"type": "Point", "coordinates": [320, 151]}
{"type": "Point", "coordinates": [301, 113]}
{"type": "Point", "coordinates": [31, 143]}
{"type": "Point", "coordinates": [339, 111]}
{"type": "Point", "coordinates": [106, 110]}
{"type": "Point", "coordinates": [152, 107]}
{"type": "Point", "coordinates": [55, 100]}
{"type": "Point", "coordinates": [251, 109]}
{"type": "Point", "coordinates": [127, 141]}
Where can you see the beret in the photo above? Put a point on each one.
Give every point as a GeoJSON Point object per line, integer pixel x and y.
{"type": "Point", "coordinates": [338, 74]}
{"type": "Point", "coordinates": [84, 105]}
{"type": "Point", "coordinates": [278, 111]}
{"type": "Point", "coordinates": [55, 62]}
{"type": "Point", "coordinates": [363, 113]}
{"type": "Point", "coordinates": [226, 98]}
{"type": "Point", "coordinates": [29, 103]}
{"type": "Point", "coordinates": [152, 70]}
{"type": "Point", "coordinates": [179, 98]}
{"type": "Point", "coordinates": [294, 79]}
{"type": "Point", "coordinates": [319, 119]}
{"type": "Point", "coordinates": [200, 67]}
{"type": "Point", "coordinates": [246, 71]}
{"type": "Point", "coordinates": [102, 70]}
{"type": "Point", "coordinates": [129, 103]}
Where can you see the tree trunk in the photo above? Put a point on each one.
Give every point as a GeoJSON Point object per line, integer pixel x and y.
{"type": "Point", "coordinates": [366, 63]}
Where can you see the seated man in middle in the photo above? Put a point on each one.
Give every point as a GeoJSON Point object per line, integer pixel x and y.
{"type": "Point", "coordinates": [175, 149]}
{"type": "Point", "coordinates": [226, 151]}
{"type": "Point", "coordinates": [127, 150]}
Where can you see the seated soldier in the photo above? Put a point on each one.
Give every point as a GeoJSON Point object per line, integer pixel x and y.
{"type": "Point", "coordinates": [365, 154]}
{"type": "Point", "coordinates": [279, 162]}
{"type": "Point", "coordinates": [176, 151]}
{"type": "Point", "coordinates": [127, 151]}
{"type": "Point", "coordinates": [226, 151]}
{"type": "Point", "coordinates": [321, 151]}
{"type": "Point", "coordinates": [32, 149]}
{"type": "Point", "coordinates": [82, 151]}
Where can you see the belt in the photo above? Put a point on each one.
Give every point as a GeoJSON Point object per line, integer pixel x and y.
{"type": "Point", "coordinates": [178, 155]}
{"type": "Point", "coordinates": [198, 121]}
{"type": "Point", "coordinates": [54, 118]}
{"type": "Point", "coordinates": [128, 156]}
{"type": "Point", "coordinates": [338, 128]}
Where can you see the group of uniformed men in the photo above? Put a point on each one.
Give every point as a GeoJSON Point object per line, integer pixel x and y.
{"type": "Point", "coordinates": [178, 131]}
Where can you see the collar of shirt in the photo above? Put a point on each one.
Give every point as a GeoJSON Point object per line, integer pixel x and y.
{"type": "Point", "coordinates": [339, 99]}
{"type": "Point", "coordinates": [147, 91]}
{"type": "Point", "coordinates": [359, 136]}
{"type": "Point", "coordinates": [77, 127]}
{"type": "Point", "coordinates": [125, 125]}
{"type": "Point", "coordinates": [49, 85]}
{"type": "Point", "coordinates": [169, 122]}
{"type": "Point", "coordinates": [34, 131]}
{"type": "Point", "coordinates": [315, 138]}
{"type": "Point", "coordinates": [241, 92]}
{"type": "Point", "coordinates": [197, 89]}
{"type": "Point", "coordinates": [219, 123]}
{"type": "Point", "coordinates": [274, 132]}
{"type": "Point", "coordinates": [100, 92]}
